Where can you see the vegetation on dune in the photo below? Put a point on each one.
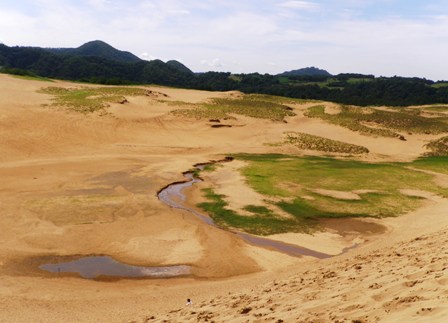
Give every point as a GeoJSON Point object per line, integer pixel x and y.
{"type": "Point", "coordinates": [346, 120]}
{"type": "Point", "coordinates": [87, 99]}
{"type": "Point", "coordinates": [261, 223]}
{"type": "Point", "coordinates": [178, 103]}
{"type": "Point", "coordinates": [276, 99]}
{"type": "Point", "coordinates": [438, 147]}
{"type": "Point", "coordinates": [254, 107]}
{"type": "Point", "coordinates": [436, 108]}
{"type": "Point", "coordinates": [266, 172]}
{"type": "Point", "coordinates": [369, 121]}
{"type": "Point", "coordinates": [310, 142]}
{"type": "Point", "coordinates": [300, 186]}
{"type": "Point", "coordinates": [251, 106]}
{"type": "Point", "coordinates": [433, 163]}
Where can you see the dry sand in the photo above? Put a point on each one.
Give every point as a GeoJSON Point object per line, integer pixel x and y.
{"type": "Point", "coordinates": [75, 185]}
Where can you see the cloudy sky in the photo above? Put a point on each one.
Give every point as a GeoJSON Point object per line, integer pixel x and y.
{"type": "Point", "coordinates": [381, 37]}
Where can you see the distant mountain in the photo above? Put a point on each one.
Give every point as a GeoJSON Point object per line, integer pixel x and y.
{"type": "Point", "coordinates": [179, 66]}
{"type": "Point", "coordinates": [97, 48]}
{"type": "Point", "coordinates": [95, 62]}
{"type": "Point", "coordinates": [307, 71]}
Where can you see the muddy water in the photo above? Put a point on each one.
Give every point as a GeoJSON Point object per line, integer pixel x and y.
{"type": "Point", "coordinates": [173, 196]}
{"type": "Point", "coordinates": [102, 266]}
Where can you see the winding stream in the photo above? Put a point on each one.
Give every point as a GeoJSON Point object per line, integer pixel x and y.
{"type": "Point", "coordinates": [95, 267]}
{"type": "Point", "coordinates": [173, 196]}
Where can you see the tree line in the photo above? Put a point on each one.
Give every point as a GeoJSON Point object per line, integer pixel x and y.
{"type": "Point", "coordinates": [366, 90]}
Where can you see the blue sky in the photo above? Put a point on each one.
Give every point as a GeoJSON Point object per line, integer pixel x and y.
{"type": "Point", "coordinates": [381, 37]}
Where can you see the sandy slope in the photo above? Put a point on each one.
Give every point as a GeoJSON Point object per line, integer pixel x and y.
{"type": "Point", "coordinates": [75, 184]}
{"type": "Point", "coordinates": [403, 283]}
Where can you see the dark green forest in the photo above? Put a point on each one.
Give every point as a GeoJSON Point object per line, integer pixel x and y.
{"type": "Point", "coordinates": [100, 63]}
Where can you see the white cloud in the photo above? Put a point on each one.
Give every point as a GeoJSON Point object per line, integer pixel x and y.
{"type": "Point", "coordinates": [215, 62]}
{"type": "Point", "coordinates": [293, 34]}
{"type": "Point", "coordinates": [179, 12]}
{"type": "Point", "coordinates": [307, 5]}
{"type": "Point", "coordinates": [147, 57]}
{"type": "Point", "coordinates": [99, 4]}
{"type": "Point", "coordinates": [15, 19]}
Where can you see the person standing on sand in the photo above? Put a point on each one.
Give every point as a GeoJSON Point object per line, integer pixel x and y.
{"type": "Point", "coordinates": [189, 302]}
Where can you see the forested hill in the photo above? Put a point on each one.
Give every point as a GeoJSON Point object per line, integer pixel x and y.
{"type": "Point", "coordinates": [307, 71]}
{"type": "Point", "coordinates": [97, 48]}
{"type": "Point", "coordinates": [98, 62]}
{"type": "Point", "coordinates": [95, 62]}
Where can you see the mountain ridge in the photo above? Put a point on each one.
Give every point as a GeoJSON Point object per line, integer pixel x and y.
{"type": "Point", "coordinates": [306, 71]}
{"type": "Point", "coordinates": [96, 62]}
{"type": "Point", "coordinates": [97, 48]}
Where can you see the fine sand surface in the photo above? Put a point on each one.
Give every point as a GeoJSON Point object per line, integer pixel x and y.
{"type": "Point", "coordinates": [77, 185]}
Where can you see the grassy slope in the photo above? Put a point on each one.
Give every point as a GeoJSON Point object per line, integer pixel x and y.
{"type": "Point", "coordinates": [291, 182]}
{"type": "Point", "coordinates": [386, 122]}
{"type": "Point", "coordinates": [311, 142]}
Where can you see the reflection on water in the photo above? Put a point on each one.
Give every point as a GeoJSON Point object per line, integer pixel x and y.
{"type": "Point", "coordinates": [173, 196]}
{"type": "Point", "coordinates": [97, 266]}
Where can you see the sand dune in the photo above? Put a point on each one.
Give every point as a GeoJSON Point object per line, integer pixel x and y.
{"type": "Point", "coordinates": [404, 283]}
{"type": "Point", "coordinates": [78, 184]}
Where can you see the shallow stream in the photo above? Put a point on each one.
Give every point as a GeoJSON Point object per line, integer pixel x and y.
{"type": "Point", "coordinates": [173, 195]}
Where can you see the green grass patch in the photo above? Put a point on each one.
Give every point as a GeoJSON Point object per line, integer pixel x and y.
{"type": "Point", "coordinates": [437, 164]}
{"type": "Point", "coordinates": [87, 99]}
{"type": "Point", "coordinates": [294, 182]}
{"type": "Point", "coordinates": [356, 118]}
{"type": "Point", "coordinates": [266, 172]}
{"type": "Point", "coordinates": [261, 223]}
{"type": "Point", "coordinates": [440, 85]}
{"type": "Point", "coordinates": [311, 142]}
{"type": "Point", "coordinates": [436, 108]}
{"type": "Point", "coordinates": [258, 210]}
{"type": "Point", "coordinates": [359, 80]}
{"type": "Point", "coordinates": [210, 167]}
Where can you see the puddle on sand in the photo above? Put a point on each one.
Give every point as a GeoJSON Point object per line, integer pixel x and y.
{"type": "Point", "coordinates": [95, 267]}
